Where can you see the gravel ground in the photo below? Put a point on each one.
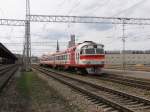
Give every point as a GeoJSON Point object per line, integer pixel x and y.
{"type": "Point", "coordinates": [43, 97]}
{"type": "Point", "coordinates": [11, 100]}
{"type": "Point", "coordinates": [120, 87]}
{"type": "Point", "coordinates": [28, 93]}
{"type": "Point", "coordinates": [72, 96]}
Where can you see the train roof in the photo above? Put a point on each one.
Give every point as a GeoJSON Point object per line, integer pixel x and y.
{"type": "Point", "coordinates": [73, 48]}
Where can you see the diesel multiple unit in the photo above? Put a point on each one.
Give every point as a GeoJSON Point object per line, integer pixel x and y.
{"type": "Point", "coordinates": [86, 57]}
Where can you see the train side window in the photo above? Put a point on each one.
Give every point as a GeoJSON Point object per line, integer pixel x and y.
{"type": "Point", "coordinates": [76, 55]}
{"type": "Point", "coordinates": [64, 57]}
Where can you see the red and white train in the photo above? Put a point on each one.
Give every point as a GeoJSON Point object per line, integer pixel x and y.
{"type": "Point", "coordinates": [86, 57]}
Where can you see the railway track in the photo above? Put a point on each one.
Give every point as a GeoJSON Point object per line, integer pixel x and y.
{"type": "Point", "coordinates": [110, 100]}
{"type": "Point", "coordinates": [6, 73]}
{"type": "Point", "coordinates": [132, 68]}
{"type": "Point", "coordinates": [126, 81]}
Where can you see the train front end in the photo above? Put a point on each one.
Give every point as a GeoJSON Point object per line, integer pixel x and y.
{"type": "Point", "coordinates": [92, 56]}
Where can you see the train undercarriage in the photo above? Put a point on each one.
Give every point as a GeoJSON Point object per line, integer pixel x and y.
{"type": "Point", "coordinates": [78, 70]}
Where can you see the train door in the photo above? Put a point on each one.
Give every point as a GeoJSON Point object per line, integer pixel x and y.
{"type": "Point", "coordinates": [72, 58]}
{"type": "Point", "coordinates": [77, 58]}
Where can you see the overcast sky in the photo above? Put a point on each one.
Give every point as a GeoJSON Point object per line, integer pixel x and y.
{"type": "Point", "coordinates": [138, 37]}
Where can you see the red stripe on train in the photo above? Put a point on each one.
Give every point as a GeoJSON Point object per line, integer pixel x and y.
{"type": "Point", "coordinates": [91, 57]}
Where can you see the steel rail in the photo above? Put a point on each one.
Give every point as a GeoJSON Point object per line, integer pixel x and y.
{"type": "Point", "coordinates": [6, 75]}
{"type": "Point", "coordinates": [119, 94]}
{"type": "Point", "coordinates": [4, 67]}
{"type": "Point", "coordinates": [126, 81]}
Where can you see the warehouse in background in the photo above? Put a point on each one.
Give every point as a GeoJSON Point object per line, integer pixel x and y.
{"type": "Point", "coordinates": [132, 57]}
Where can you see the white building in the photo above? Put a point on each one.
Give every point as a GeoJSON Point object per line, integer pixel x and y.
{"type": "Point", "coordinates": [131, 59]}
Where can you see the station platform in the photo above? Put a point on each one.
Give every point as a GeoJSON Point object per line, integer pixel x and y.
{"type": "Point", "coordinates": [127, 73]}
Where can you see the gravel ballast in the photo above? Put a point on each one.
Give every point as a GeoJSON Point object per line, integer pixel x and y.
{"type": "Point", "coordinates": [74, 98]}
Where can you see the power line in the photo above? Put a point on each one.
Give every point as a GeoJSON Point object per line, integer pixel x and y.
{"type": "Point", "coordinates": [12, 22]}
{"type": "Point", "coordinates": [76, 19]}
{"type": "Point", "coordinates": [89, 19]}
{"type": "Point", "coordinates": [73, 7]}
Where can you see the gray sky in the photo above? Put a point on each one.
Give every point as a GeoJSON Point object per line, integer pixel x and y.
{"type": "Point", "coordinates": [138, 37]}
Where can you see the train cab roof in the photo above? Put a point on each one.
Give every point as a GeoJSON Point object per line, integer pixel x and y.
{"type": "Point", "coordinates": [88, 43]}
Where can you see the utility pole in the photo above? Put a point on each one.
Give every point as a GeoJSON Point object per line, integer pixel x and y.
{"type": "Point", "coordinates": [27, 44]}
{"type": "Point", "coordinates": [123, 49]}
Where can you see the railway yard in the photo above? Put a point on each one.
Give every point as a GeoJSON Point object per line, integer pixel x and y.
{"type": "Point", "coordinates": [106, 93]}
{"type": "Point", "coordinates": [55, 90]}
{"type": "Point", "coordinates": [103, 67]}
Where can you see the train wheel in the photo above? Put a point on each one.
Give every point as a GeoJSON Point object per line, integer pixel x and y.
{"type": "Point", "coordinates": [81, 71]}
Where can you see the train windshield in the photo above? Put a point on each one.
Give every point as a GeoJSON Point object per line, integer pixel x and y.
{"type": "Point", "coordinates": [90, 51]}
{"type": "Point", "coordinates": [99, 51]}
{"type": "Point", "coordinates": [95, 49]}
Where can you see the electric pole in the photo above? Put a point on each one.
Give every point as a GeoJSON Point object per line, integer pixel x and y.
{"type": "Point", "coordinates": [27, 44]}
{"type": "Point", "coordinates": [123, 49]}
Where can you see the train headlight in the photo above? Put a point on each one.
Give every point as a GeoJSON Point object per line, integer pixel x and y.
{"type": "Point", "coordinates": [102, 62]}
{"type": "Point", "coordinates": [86, 62]}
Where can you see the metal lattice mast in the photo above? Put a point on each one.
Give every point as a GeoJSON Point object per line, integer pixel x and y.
{"type": "Point", "coordinates": [27, 44]}
{"type": "Point", "coordinates": [123, 49]}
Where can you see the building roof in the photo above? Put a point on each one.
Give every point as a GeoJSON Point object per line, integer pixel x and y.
{"type": "Point", "coordinates": [5, 53]}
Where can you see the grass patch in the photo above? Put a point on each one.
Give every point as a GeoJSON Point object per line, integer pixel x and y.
{"type": "Point", "coordinates": [41, 96]}
{"type": "Point", "coordinates": [24, 83]}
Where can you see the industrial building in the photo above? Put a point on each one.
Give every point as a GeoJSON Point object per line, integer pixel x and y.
{"type": "Point", "coordinates": [72, 41]}
{"type": "Point", "coordinates": [131, 57]}
{"type": "Point", "coordinates": [6, 57]}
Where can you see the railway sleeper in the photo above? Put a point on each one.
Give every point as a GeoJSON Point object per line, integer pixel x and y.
{"type": "Point", "coordinates": [100, 98]}
{"type": "Point", "coordinates": [109, 109]}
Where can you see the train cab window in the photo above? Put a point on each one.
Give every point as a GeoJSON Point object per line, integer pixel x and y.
{"type": "Point", "coordinates": [66, 57]}
{"type": "Point", "coordinates": [90, 51]}
{"type": "Point", "coordinates": [99, 51]}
